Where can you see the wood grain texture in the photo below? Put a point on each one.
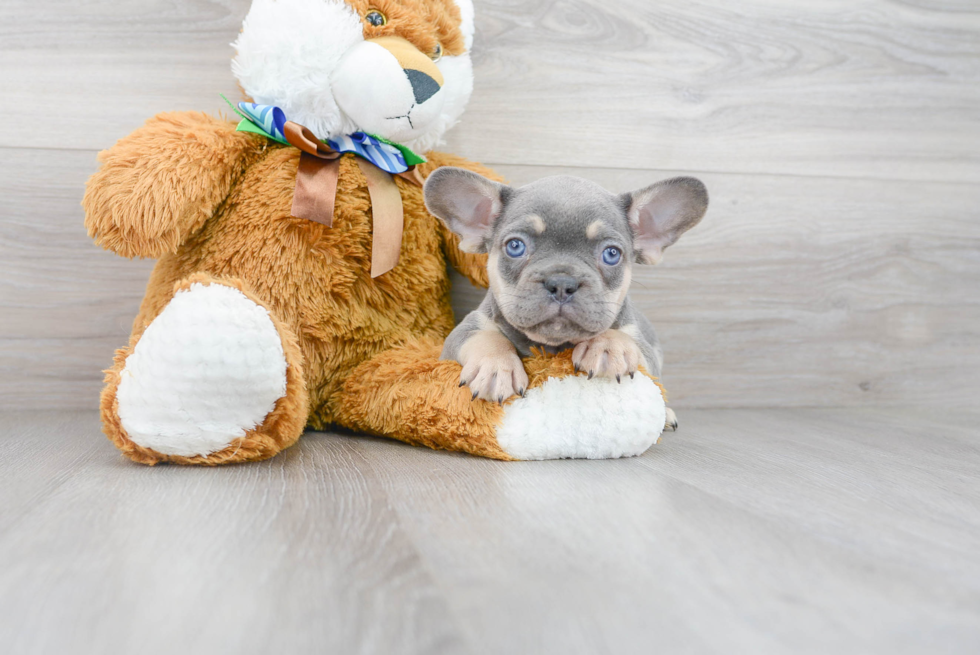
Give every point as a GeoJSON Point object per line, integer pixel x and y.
{"type": "Point", "coordinates": [817, 278]}
{"type": "Point", "coordinates": [65, 304]}
{"type": "Point", "coordinates": [83, 74]}
{"type": "Point", "coordinates": [300, 555]}
{"type": "Point", "coordinates": [772, 531]}
{"type": "Point", "coordinates": [872, 88]}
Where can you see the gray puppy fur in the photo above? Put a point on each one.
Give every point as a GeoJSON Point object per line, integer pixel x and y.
{"type": "Point", "coordinates": [561, 252]}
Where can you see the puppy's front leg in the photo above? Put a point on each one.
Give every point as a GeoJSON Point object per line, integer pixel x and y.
{"type": "Point", "coordinates": [616, 353]}
{"type": "Point", "coordinates": [491, 367]}
{"type": "Point", "coordinates": [610, 354]}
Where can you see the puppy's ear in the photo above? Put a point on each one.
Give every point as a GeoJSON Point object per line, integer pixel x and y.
{"type": "Point", "coordinates": [466, 202]}
{"type": "Point", "coordinates": [660, 213]}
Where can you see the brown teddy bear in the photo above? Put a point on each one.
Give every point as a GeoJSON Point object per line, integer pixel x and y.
{"type": "Point", "coordinates": [301, 281]}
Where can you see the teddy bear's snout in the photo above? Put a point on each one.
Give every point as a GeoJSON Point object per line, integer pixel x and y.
{"type": "Point", "coordinates": [423, 86]}
{"type": "Point", "coordinates": [389, 88]}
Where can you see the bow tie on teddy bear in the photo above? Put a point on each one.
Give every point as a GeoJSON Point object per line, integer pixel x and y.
{"type": "Point", "coordinates": [319, 169]}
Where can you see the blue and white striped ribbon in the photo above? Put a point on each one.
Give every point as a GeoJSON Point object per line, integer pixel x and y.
{"type": "Point", "coordinates": [385, 156]}
{"type": "Point", "coordinates": [269, 118]}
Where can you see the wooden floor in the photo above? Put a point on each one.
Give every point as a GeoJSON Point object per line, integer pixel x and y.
{"type": "Point", "coordinates": [755, 531]}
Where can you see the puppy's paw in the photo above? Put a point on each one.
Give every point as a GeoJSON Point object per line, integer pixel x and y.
{"type": "Point", "coordinates": [495, 377]}
{"type": "Point", "coordinates": [671, 422]}
{"type": "Point", "coordinates": [612, 354]}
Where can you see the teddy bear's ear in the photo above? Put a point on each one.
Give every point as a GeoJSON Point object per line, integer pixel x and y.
{"type": "Point", "coordinates": [660, 213]}
{"type": "Point", "coordinates": [467, 203]}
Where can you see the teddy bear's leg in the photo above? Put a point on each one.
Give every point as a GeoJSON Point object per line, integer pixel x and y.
{"type": "Point", "coordinates": [214, 378]}
{"type": "Point", "coordinates": [409, 394]}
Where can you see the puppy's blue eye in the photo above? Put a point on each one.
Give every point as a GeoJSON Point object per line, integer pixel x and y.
{"type": "Point", "coordinates": [611, 256]}
{"type": "Point", "coordinates": [515, 248]}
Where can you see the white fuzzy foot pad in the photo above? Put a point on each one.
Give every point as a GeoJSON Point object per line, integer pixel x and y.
{"type": "Point", "coordinates": [208, 368]}
{"type": "Point", "coordinates": [575, 417]}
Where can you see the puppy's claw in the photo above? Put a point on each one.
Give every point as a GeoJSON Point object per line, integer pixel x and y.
{"type": "Point", "coordinates": [462, 383]}
{"type": "Point", "coordinates": [591, 374]}
{"type": "Point", "coordinates": [522, 392]}
{"type": "Point", "coordinates": [632, 373]}
{"type": "Point", "coordinates": [575, 368]}
{"type": "Point", "coordinates": [500, 400]}
{"type": "Point", "coordinates": [617, 379]}
{"type": "Point", "coordinates": [475, 394]}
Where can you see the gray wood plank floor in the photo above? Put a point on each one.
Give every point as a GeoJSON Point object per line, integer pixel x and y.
{"type": "Point", "coordinates": [756, 531]}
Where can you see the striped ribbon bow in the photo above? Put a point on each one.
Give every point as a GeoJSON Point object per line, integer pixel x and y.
{"type": "Point", "coordinates": [319, 170]}
{"type": "Point", "coordinates": [387, 156]}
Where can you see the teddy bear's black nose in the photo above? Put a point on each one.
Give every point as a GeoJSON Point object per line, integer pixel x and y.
{"type": "Point", "coordinates": [561, 287]}
{"type": "Point", "coordinates": [423, 86]}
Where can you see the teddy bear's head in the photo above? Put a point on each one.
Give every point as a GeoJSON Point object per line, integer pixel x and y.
{"type": "Point", "coordinates": [398, 69]}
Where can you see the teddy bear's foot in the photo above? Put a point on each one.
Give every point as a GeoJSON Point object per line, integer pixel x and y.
{"type": "Point", "coordinates": [409, 394]}
{"type": "Point", "coordinates": [214, 378]}
{"type": "Point", "coordinates": [567, 415]}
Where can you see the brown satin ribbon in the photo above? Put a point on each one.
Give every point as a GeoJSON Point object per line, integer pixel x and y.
{"type": "Point", "coordinates": [389, 220]}
{"type": "Point", "coordinates": [316, 193]}
{"type": "Point", "coordinates": [306, 141]}
{"type": "Point", "coordinates": [412, 175]}
{"type": "Point", "coordinates": [316, 188]}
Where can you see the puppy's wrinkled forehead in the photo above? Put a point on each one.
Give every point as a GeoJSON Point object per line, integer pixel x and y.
{"type": "Point", "coordinates": [564, 210]}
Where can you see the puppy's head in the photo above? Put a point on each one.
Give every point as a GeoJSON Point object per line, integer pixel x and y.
{"type": "Point", "coordinates": [561, 249]}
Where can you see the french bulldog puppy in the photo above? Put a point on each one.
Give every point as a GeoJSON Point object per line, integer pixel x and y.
{"type": "Point", "coordinates": [561, 254]}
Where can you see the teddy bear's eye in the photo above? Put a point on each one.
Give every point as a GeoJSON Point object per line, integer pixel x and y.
{"type": "Point", "coordinates": [376, 18]}
{"type": "Point", "coordinates": [437, 53]}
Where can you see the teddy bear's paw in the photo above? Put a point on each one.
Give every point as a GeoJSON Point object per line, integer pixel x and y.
{"type": "Point", "coordinates": [575, 417]}
{"type": "Point", "coordinates": [209, 368]}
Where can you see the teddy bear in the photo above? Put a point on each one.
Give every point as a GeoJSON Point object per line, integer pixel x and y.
{"type": "Point", "coordinates": [300, 281]}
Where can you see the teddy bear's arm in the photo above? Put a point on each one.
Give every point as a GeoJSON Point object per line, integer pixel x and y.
{"type": "Point", "coordinates": [160, 184]}
{"type": "Point", "coordinates": [474, 267]}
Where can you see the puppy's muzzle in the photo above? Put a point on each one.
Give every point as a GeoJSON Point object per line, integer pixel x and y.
{"type": "Point", "coordinates": [561, 287]}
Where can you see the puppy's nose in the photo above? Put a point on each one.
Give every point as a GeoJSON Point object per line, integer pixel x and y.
{"type": "Point", "coordinates": [561, 287]}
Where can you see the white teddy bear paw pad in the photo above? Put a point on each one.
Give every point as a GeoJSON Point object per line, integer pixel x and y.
{"type": "Point", "coordinates": [209, 368]}
{"type": "Point", "coordinates": [575, 417]}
